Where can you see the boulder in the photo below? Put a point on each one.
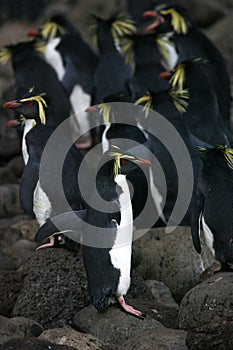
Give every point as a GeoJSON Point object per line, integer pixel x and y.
{"type": "Point", "coordinates": [9, 201]}
{"type": "Point", "coordinates": [54, 285]}
{"type": "Point", "coordinates": [112, 326]}
{"type": "Point", "coordinates": [32, 344]}
{"type": "Point", "coordinates": [19, 327]}
{"type": "Point", "coordinates": [11, 284]}
{"type": "Point", "coordinates": [170, 258]}
{"type": "Point", "coordinates": [207, 300]}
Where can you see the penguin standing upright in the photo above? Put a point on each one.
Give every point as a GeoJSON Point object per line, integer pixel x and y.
{"type": "Point", "coordinates": [38, 188]}
{"type": "Point", "coordinates": [213, 205]}
{"type": "Point", "coordinates": [107, 233]}
{"type": "Point", "coordinates": [191, 43]}
{"type": "Point", "coordinates": [75, 63]}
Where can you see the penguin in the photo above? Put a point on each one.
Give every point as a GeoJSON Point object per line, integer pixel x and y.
{"type": "Point", "coordinates": [30, 70]}
{"type": "Point", "coordinates": [170, 104]}
{"type": "Point", "coordinates": [202, 116]}
{"type": "Point", "coordinates": [106, 233]}
{"type": "Point", "coordinates": [191, 43]}
{"type": "Point", "coordinates": [39, 193]}
{"type": "Point", "coordinates": [213, 206]}
{"type": "Point", "coordinates": [75, 62]}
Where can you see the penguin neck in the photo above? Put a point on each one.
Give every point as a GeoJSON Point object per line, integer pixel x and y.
{"type": "Point", "coordinates": [105, 40]}
{"type": "Point", "coordinates": [146, 51]}
{"type": "Point", "coordinates": [105, 182]}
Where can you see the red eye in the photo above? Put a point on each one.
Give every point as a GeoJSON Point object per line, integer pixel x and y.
{"type": "Point", "coordinates": [30, 103]}
{"type": "Point", "coordinates": [123, 161]}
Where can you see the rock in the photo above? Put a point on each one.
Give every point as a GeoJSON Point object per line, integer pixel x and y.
{"type": "Point", "coordinates": [19, 327]}
{"type": "Point", "coordinates": [11, 284]}
{"type": "Point", "coordinates": [7, 263]}
{"type": "Point", "coordinates": [27, 228]}
{"type": "Point", "coordinates": [161, 293]}
{"type": "Point", "coordinates": [159, 339]}
{"type": "Point", "coordinates": [170, 258]}
{"type": "Point", "coordinates": [70, 337]}
{"type": "Point", "coordinates": [205, 12]}
{"type": "Point", "coordinates": [3, 320]}
{"type": "Point", "coordinates": [9, 201]}
{"type": "Point", "coordinates": [54, 285]}
{"type": "Point", "coordinates": [11, 230]}
{"type": "Point", "coordinates": [207, 300]}
{"type": "Point", "coordinates": [12, 171]}
{"type": "Point", "coordinates": [219, 34]}
{"type": "Point", "coordinates": [32, 344]}
{"type": "Point", "coordinates": [112, 326]}
{"type": "Point", "coordinates": [21, 250]}
{"type": "Point", "coordinates": [216, 335]}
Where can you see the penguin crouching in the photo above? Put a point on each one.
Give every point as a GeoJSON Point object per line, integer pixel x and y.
{"type": "Point", "coordinates": [107, 233]}
{"type": "Point", "coordinates": [213, 204]}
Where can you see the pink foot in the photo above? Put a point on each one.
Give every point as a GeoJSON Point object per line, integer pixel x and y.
{"type": "Point", "coordinates": [128, 308]}
{"type": "Point", "coordinates": [51, 243]}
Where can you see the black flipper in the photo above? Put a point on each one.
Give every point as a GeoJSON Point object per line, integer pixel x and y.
{"type": "Point", "coordinates": [196, 219]}
{"type": "Point", "coordinates": [69, 224]}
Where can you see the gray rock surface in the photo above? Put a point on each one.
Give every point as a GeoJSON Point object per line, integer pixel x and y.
{"type": "Point", "coordinates": [170, 258]}
{"type": "Point", "coordinates": [207, 300]}
{"type": "Point", "coordinates": [68, 336]}
{"type": "Point", "coordinates": [9, 201]}
{"type": "Point", "coordinates": [54, 285]}
{"type": "Point", "coordinates": [159, 339]}
{"type": "Point", "coordinates": [19, 327]}
{"type": "Point", "coordinates": [32, 344]}
{"type": "Point", "coordinates": [113, 325]}
{"type": "Point", "coordinates": [10, 287]}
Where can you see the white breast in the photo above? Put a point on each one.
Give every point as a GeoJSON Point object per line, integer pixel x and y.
{"type": "Point", "coordinates": [122, 248]}
{"type": "Point", "coordinates": [209, 238]}
{"type": "Point", "coordinates": [28, 125]}
{"type": "Point", "coordinates": [156, 196]}
{"type": "Point", "coordinates": [105, 142]}
{"type": "Point", "coordinates": [41, 205]}
{"type": "Point", "coordinates": [172, 59]}
{"type": "Point", "coordinates": [53, 57]}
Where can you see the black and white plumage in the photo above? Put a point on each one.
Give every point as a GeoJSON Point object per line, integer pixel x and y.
{"type": "Point", "coordinates": [38, 188]}
{"type": "Point", "coordinates": [107, 233]}
{"type": "Point", "coordinates": [213, 205]}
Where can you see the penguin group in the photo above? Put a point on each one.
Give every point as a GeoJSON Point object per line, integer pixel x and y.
{"type": "Point", "coordinates": [159, 94]}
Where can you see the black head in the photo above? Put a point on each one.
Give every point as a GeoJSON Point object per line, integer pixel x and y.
{"type": "Point", "coordinates": [168, 17]}
{"type": "Point", "coordinates": [31, 105]}
{"type": "Point", "coordinates": [117, 161]}
{"type": "Point", "coordinates": [56, 27]}
{"type": "Point", "coordinates": [30, 47]}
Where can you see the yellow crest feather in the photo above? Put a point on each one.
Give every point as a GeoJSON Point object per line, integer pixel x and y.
{"type": "Point", "coordinates": [5, 55]}
{"type": "Point", "coordinates": [180, 99]}
{"type": "Point", "coordinates": [117, 159]}
{"type": "Point", "coordinates": [178, 22]}
{"type": "Point", "coordinates": [105, 110]}
{"type": "Point", "coordinates": [147, 99]}
{"type": "Point", "coordinates": [178, 76]}
{"type": "Point", "coordinates": [228, 155]}
{"type": "Point", "coordinates": [49, 30]}
{"type": "Point", "coordinates": [41, 104]}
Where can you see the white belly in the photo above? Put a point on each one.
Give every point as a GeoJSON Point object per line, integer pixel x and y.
{"type": "Point", "coordinates": [53, 57]}
{"type": "Point", "coordinates": [41, 205]}
{"type": "Point", "coordinates": [172, 57]}
{"type": "Point", "coordinates": [122, 248]}
{"type": "Point", "coordinates": [208, 235]}
{"type": "Point", "coordinates": [29, 124]}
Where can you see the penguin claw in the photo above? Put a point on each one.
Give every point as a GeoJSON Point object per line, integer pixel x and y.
{"type": "Point", "coordinates": [130, 309]}
{"type": "Point", "coordinates": [51, 243]}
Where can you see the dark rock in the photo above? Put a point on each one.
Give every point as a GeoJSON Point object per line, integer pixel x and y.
{"type": "Point", "coordinates": [3, 320]}
{"type": "Point", "coordinates": [32, 344]}
{"type": "Point", "coordinates": [112, 326]}
{"type": "Point", "coordinates": [27, 228]}
{"type": "Point", "coordinates": [159, 339]}
{"type": "Point", "coordinates": [54, 285]}
{"type": "Point", "coordinates": [207, 300]}
{"type": "Point", "coordinates": [11, 284]}
{"type": "Point", "coordinates": [216, 335]}
{"type": "Point", "coordinates": [170, 258]}
{"type": "Point", "coordinates": [68, 336]}
{"type": "Point", "coordinates": [7, 263]}
{"type": "Point", "coordinates": [205, 12]}
{"type": "Point", "coordinates": [20, 251]}
{"type": "Point", "coordinates": [11, 172]}
{"type": "Point", "coordinates": [9, 147]}
{"type": "Point", "coordinates": [16, 165]}
{"type": "Point", "coordinates": [19, 327]}
{"type": "Point", "coordinates": [9, 201]}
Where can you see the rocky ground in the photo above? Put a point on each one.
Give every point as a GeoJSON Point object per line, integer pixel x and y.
{"type": "Point", "coordinates": [44, 302]}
